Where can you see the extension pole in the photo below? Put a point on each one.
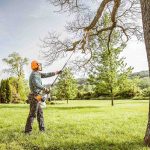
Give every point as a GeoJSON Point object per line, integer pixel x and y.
{"type": "Point", "coordinates": [69, 58]}
{"type": "Point", "coordinates": [85, 34]}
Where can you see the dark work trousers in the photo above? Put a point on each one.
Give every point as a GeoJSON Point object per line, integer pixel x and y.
{"type": "Point", "coordinates": [35, 111]}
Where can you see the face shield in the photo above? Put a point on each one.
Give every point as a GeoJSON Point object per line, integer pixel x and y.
{"type": "Point", "coordinates": [40, 67]}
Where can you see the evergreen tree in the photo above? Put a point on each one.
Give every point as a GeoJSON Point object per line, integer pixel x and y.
{"type": "Point", "coordinates": [66, 86]}
{"type": "Point", "coordinates": [3, 91]}
{"type": "Point", "coordinates": [20, 89]}
{"type": "Point", "coordinates": [8, 92]}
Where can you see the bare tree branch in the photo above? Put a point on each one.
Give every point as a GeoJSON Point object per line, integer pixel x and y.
{"type": "Point", "coordinates": [89, 26]}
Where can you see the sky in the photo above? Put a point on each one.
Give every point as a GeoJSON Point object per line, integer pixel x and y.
{"type": "Point", "coordinates": [24, 22]}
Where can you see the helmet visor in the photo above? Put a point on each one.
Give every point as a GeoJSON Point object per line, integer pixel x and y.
{"type": "Point", "coordinates": [40, 67]}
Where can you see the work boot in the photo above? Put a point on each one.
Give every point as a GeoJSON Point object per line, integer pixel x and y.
{"type": "Point", "coordinates": [42, 130]}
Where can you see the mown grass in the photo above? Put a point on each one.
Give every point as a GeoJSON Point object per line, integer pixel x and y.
{"type": "Point", "coordinates": [79, 125]}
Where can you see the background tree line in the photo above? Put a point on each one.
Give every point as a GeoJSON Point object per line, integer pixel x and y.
{"type": "Point", "coordinates": [133, 87]}
{"type": "Point", "coordinates": [124, 83]}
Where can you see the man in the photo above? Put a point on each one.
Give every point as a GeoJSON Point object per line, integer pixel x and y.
{"type": "Point", "coordinates": [35, 97]}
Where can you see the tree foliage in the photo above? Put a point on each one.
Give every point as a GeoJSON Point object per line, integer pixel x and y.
{"type": "Point", "coordinates": [108, 69]}
{"type": "Point", "coordinates": [20, 89]}
{"type": "Point", "coordinates": [109, 72]}
{"type": "Point", "coordinates": [129, 88]}
{"type": "Point", "coordinates": [19, 86]}
{"type": "Point", "coordinates": [88, 24]}
{"type": "Point", "coordinates": [144, 83]}
{"type": "Point", "coordinates": [66, 86]}
{"type": "Point", "coordinates": [16, 64]}
{"type": "Point", "coordinates": [9, 92]}
{"type": "Point", "coordinates": [5, 91]}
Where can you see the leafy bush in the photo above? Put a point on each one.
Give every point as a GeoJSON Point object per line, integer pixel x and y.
{"type": "Point", "coordinates": [128, 93]}
{"type": "Point", "coordinates": [146, 92]}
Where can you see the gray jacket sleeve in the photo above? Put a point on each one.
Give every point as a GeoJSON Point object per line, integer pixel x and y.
{"type": "Point", "coordinates": [37, 84]}
{"type": "Point", "coordinates": [46, 75]}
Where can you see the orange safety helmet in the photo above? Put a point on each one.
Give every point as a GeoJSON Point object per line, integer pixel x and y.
{"type": "Point", "coordinates": [35, 65]}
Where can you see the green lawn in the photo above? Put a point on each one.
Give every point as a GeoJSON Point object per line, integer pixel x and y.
{"type": "Point", "coordinates": [80, 125]}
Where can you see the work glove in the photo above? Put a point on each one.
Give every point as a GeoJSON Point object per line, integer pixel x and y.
{"type": "Point", "coordinates": [59, 72]}
{"type": "Point", "coordinates": [46, 90]}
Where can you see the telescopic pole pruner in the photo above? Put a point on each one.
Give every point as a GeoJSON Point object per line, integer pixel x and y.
{"type": "Point", "coordinates": [84, 38]}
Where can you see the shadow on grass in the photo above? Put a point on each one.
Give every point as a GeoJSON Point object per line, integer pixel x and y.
{"type": "Point", "coordinates": [106, 145]}
{"type": "Point", "coordinates": [48, 107]}
{"type": "Point", "coordinates": [132, 102]}
{"type": "Point", "coordinates": [14, 106]}
{"type": "Point", "coordinates": [93, 145]}
{"type": "Point", "coordinates": [75, 107]}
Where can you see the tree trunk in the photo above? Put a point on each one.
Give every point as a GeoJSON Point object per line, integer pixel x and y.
{"type": "Point", "coordinates": [112, 97]}
{"type": "Point", "coordinates": [112, 100]}
{"type": "Point", "coordinates": [145, 7]}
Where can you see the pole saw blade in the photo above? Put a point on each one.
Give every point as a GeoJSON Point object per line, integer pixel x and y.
{"type": "Point", "coordinates": [84, 38]}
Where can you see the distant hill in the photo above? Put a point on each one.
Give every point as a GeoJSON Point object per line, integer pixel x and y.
{"type": "Point", "coordinates": [81, 81]}
{"type": "Point", "coordinates": [141, 74]}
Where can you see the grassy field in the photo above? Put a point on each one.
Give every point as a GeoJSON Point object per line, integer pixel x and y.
{"type": "Point", "coordinates": [80, 125]}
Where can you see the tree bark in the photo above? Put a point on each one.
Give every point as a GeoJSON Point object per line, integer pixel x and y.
{"type": "Point", "coordinates": [112, 100]}
{"type": "Point", "coordinates": [145, 7]}
{"type": "Point", "coordinates": [112, 97]}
